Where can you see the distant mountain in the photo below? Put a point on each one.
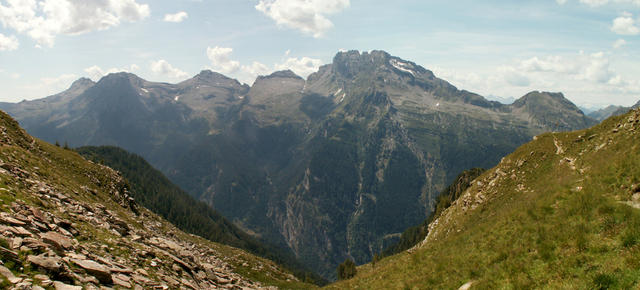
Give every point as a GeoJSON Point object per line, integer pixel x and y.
{"type": "Point", "coordinates": [334, 166]}
{"type": "Point", "coordinates": [612, 110]}
{"type": "Point", "coordinates": [563, 209]}
{"type": "Point", "coordinates": [503, 100]}
{"type": "Point", "coordinates": [604, 113]}
{"type": "Point", "coordinates": [68, 223]}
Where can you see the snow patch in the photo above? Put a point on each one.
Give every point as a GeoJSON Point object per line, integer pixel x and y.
{"type": "Point", "coordinates": [176, 98]}
{"type": "Point", "coordinates": [403, 66]}
{"type": "Point", "coordinates": [342, 99]}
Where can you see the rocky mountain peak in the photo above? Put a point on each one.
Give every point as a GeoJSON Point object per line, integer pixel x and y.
{"type": "Point", "coordinates": [537, 99]}
{"type": "Point", "coordinates": [81, 83]}
{"type": "Point", "coordinates": [120, 79]}
{"type": "Point", "coordinates": [282, 74]}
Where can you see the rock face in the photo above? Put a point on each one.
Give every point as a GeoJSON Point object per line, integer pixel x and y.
{"type": "Point", "coordinates": [330, 167]}
{"type": "Point", "coordinates": [78, 225]}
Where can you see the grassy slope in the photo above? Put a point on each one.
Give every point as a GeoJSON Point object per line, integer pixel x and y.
{"type": "Point", "coordinates": [534, 221]}
{"type": "Point", "coordinates": [68, 172]}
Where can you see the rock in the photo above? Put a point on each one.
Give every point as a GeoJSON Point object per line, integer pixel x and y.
{"type": "Point", "coordinates": [53, 265]}
{"type": "Point", "coordinates": [62, 286]}
{"type": "Point", "coordinates": [16, 243]}
{"type": "Point", "coordinates": [4, 271]}
{"type": "Point", "coordinates": [466, 286]}
{"type": "Point", "coordinates": [121, 280]}
{"type": "Point", "coordinates": [34, 244]}
{"type": "Point", "coordinates": [57, 240]}
{"type": "Point", "coordinates": [20, 231]}
{"type": "Point", "coordinates": [103, 273]}
{"type": "Point", "coordinates": [8, 220]}
{"type": "Point", "coordinates": [41, 277]}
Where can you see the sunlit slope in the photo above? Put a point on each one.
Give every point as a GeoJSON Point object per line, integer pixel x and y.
{"type": "Point", "coordinates": [560, 212]}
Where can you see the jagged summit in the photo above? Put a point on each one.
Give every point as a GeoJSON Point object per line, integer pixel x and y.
{"type": "Point", "coordinates": [81, 83]}
{"type": "Point", "coordinates": [282, 74]}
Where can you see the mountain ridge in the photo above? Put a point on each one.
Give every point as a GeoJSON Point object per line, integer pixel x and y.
{"type": "Point", "coordinates": [332, 167]}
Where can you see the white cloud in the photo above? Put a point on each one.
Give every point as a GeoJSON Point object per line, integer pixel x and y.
{"type": "Point", "coordinates": [308, 16]}
{"type": "Point", "coordinates": [96, 73]}
{"type": "Point", "coordinates": [619, 43]}
{"type": "Point", "coordinates": [303, 66]}
{"type": "Point", "coordinates": [220, 58]}
{"type": "Point", "coordinates": [222, 61]}
{"type": "Point", "coordinates": [162, 67]}
{"type": "Point", "coordinates": [625, 25]}
{"type": "Point", "coordinates": [256, 69]}
{"type": "Point", "coordinates": [584, 78]}
{"type": "Point", "coordinates": [8, 43]}
{"type": "Point", "coordinates": [593, 67]}
{"type": "Point", "coordinates": [43, 20]}
{"type": "Point", "coordinates": [176, 17]}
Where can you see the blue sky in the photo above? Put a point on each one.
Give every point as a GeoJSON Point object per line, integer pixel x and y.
{"type": "Point", "coordinates": [588, 49]}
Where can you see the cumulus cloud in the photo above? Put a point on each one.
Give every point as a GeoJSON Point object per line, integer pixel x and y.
{"type": "Point", "coordinates": [176, 17]}
{"type": "Point", "coordinates": [222, 61]}
{"type": "Point", "coordinates": [162, 67]}
{"type": "Point", "coordinates": [592, 67]}
{"type": "Point", "coordinates": [43, 20]}
{"type": "Point", "coordinates": [625, 25]}
{"type": "Point", "coordinates": [308, 16]}
{"type": "Point", "coordinates": [220, 58]}
{"type": "Point", "coordinates": [8, 43]}
{"type": "Point", "coordinates": [619, 43]}
{"type": "Point", "coordinates": [303, 66]}
{"type": "Point", "coordinates": [96, 73]}
{"type": "Point", "coordinates": [256, 69]}
{"type": "Point", "coordinates": [585, 78]}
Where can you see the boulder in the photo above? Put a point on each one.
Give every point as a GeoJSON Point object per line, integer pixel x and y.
{"type": "Point", "coordinates": [4, 271]}
{"type": "Point", "coordinates": [51, 264]}
{"type": "Point", "coordinates": [8, 220]}
{"type": "Point", "coordinates": [103, 273]}
{"type": "Point", "coordinates": [62, 286]}
{"type": "Point", "coordinates": [57, 240]}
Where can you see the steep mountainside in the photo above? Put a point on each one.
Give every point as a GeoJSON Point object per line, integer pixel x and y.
{"type": "Point", "coordinates": [154, 191]}
{"type": "Point", "coordinates": [416, 234]}
{"type": "Point", "coordinates": [562, 211]}
{"type": "Point", "coordinates": [66, 221]}
{"type": "Point", "coordinates": [331, 167]}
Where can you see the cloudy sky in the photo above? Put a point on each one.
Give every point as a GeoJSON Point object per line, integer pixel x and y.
{"type": "Point", "coordinates": [588, 49]}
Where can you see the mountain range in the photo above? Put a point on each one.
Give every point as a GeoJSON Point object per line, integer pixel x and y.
{"type": "Point", "coordinates": [332, 167]}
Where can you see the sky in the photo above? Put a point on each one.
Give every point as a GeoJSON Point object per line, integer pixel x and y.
{"type": "Point", "coordinates": [587, 49]}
